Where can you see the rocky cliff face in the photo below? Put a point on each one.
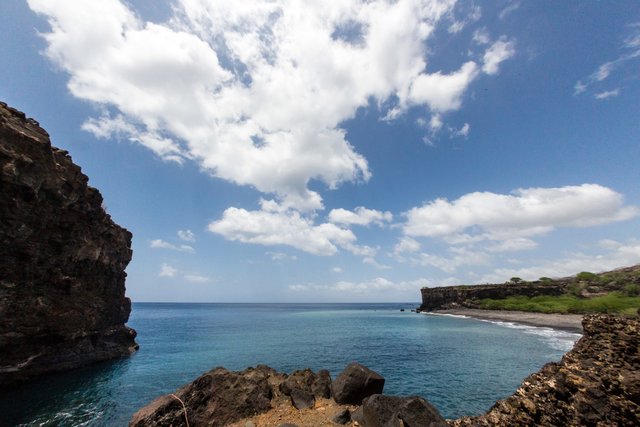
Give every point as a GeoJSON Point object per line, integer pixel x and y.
{"type": "Point", "coordinates": [595, 384]}
{"type": "Point", "coordinates": [465, 296]}
{"type": "Point", "coordinates": [62, 260]}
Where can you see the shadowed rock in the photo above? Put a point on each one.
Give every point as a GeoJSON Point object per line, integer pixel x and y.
{"type": "Point", "coordinates": [342, 417]}
{"type": "Point", "coordinates": [391, 411]}
{"type": "Point", "coordinates": [215, 399]}
{"type": "Point", "coordinates": [62, 260]}
{"type": "Point", "coordinates": [306, 380]}
{"type": "Point", "coordinates": [301, 399]}
{"type": "Point", "coordinates": [355, 383]}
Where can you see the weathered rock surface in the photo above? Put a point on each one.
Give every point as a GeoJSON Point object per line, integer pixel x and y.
{"type": "Point", "coordinates": [221, 397]}
{"type": "Point", "coordinates": [301, 399]}
{"type": "Point", "coordinates": [465, 296]}
{"type": "Point", "coordinates": [62, 260]}
{"type": "Point", "coordinates": [595, 384]}
{"type": "Point", "coordinates": [342, 417]}
{"type": "Point", "coordinates": [216, 398]}
{"type": "Point", "coordinates": [306, 380]}
{"type": "Point", "coordinates": [391, 411]}
{"type": "Point", "coordinates": [355, 383]}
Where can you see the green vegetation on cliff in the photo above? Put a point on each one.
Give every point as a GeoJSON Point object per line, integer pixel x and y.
{"type": "Point", "coordinates": [611, 292]}
{"type": "Point", "coordinates": [614, 302]}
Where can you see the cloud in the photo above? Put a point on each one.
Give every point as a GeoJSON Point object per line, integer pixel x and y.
{"type": "Point", "coordinates": [443, 92]}
{"type": "Point", "coordinates": [498, 52]}
{"type": "Point", "coordinates": [186, 235]}
{"type": "Point", "coordinates": [282, 228]}
{"type": "Point", "coordinates": [462, 132]}
{"type": "Point", "coordinates": [196, 278]}
{"type": "Point", "coordinates": [167, 271]}
{"type": "Point", "coordinates": [360, 216]}
{"type": "Point", "coordinates": [461, 257]}
{"type": "Point", "coordinates": [473, 14]}
{"type": "Point", "coordinates": [512, 7]}
{"type": "Point", "coordinates": [406, 245]}
{"type": "Point", "coordinates": [481, 36]}
{"type": "Point", "coordinates": [607, 94]}
{"type": "Point", "coordinates": [513, 245]}
{"type": "Point", "coordinates": [254, 92]}
{"type": "Point", "coordinates": [161, 244]}
{"type": "Point", "coordinates": [378, 284]}
{"type": "Point", "coordinates": [630, 48]}
{"type": "Point", "coordinates": [525, 212]}
{"type": "Point", "coordinates": [616, 255]}
{"type": "Point", "coordinates": [336, 270]}
{"type": "Point", "coordinates": [372, 261]}
{"type": "Point", "coordinates": [281, 256]}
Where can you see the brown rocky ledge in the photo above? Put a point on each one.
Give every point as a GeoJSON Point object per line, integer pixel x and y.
{"type": "Point", "coordinates": [595, 384]}
{"type": "Point", "coordinates": [62, 260]}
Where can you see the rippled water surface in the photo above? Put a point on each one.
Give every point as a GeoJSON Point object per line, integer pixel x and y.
{"type": "Point", "coordinates": [461, 365]}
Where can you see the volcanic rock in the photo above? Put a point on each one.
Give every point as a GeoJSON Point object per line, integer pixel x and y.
{"type": "Point", "coordinates": [389, 411]}
{"type": "Point", "coordinates": [355, 383]}
{"type": "Point", "coordinates": [342, 417]}
{"type": "Point", "coordinates": [217, 398]}
{"type": "Point", "coordinates": [62, 260]}
{"type": "Point", "coordinates": [306, 380]}
{"type": "Point", "coordinates": [595, 384]}
{"type": "Point", "coordinates": [301, 399]}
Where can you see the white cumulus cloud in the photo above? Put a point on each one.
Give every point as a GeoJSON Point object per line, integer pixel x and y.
{"type": "Point", "coordinates": [360, 216]}
{"type": "Point", "coordinates": [525, 212]}
{"type": "Point", "coordinates": [254, 92]}
{"type": "Point", "coordinates": [282, 228]}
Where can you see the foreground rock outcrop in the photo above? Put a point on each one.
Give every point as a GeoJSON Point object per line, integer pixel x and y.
{"type": "Point", "coordinates": [263, 397]}
{"type": "Point", "coordinates": [62, 260]}
{"type": "Point", "coordinates": [597, 383]}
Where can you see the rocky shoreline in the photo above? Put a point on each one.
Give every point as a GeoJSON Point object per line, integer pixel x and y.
{"type": "Point", "coordinates": [597, 383]}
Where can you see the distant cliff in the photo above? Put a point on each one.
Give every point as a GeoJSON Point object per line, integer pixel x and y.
{"type": "Point", "coordinates": [466, 296]}
{"type": "Point", "coordinates": [62, 260]}
{"type": "Point", "coordinates": [584, 285]}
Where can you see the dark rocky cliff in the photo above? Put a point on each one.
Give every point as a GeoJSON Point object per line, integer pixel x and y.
{"type": "Point", "coordinates": [597, 383]}
{"type": "Point", "coordinates": [62, 260]}
{"type": "Point", "coordinates": [465, 296]}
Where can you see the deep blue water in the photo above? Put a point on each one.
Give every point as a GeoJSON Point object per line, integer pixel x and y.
{"type": "Point", "coordinates": [461, 365]}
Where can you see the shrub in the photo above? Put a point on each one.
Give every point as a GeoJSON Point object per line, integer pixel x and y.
{"type": "Point", "coordinates": [632, 290]}
{"type": "Point", "coordinates": [574, 289]}
{"type": "Point", "coordinates": [586, 275]}
{"type": "Point", "coordinates": [545, 280]}
{"type": "Point", "coordinates": [615, 302]}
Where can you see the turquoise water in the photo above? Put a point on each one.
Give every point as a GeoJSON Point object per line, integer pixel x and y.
{"type": "Point", "coordinates": [461, 365]}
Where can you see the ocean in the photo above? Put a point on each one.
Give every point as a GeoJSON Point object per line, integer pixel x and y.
{"type": "Point", "coordinates": [460, 365]}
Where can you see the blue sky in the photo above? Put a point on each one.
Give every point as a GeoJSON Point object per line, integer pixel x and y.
{"type": "Point", "coordinates": [343, 151]}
